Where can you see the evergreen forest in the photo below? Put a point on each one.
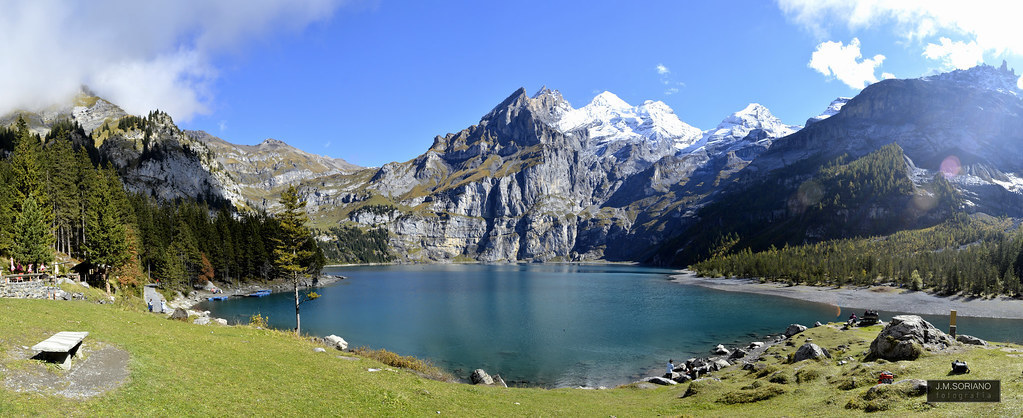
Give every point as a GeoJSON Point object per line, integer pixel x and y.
{"type": "Point", "coordinates": [910, 236]}
{"type": "Point", "coordinates": [61, 206]}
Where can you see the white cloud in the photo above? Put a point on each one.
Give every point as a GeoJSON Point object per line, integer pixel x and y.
{"type": "Point", "coordinates": [671, 86]}
{"type": "Point", "coordinates": [222, 125]}
{"type": "Point", "coordinates": [140, 55]}
{"type": "Point", "coordinates": [958, 54]}
{"type": "Point", "coordinates": [887, 76]}
{"type": "Point", "coordinates": [845, 63]}
{"type": "Point", "coordinates": [992, 25]}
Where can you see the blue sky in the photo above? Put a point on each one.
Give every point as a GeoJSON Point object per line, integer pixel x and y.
{"type": "Point", "coordinates": [375, 81]}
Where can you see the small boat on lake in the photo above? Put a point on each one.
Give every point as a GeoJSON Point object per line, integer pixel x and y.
{"type": "Point", "coordinates": [259, 293]}
{"type": "Point", "coordinates": [213, 298]}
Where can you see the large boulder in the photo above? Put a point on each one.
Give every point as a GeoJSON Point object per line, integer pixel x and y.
{"type": "Point", "coordinates": [179, 314]}
{"type": "Point", "coordinates": [810, 351]}
{"type": "Point", "coordinates": [794, 329]}
{"type": "Point", "coordinates": [906, 337]}
{"type": "Point", "coordinates": [738, 354]}
{"type": "Point", "coordinates": [480, 377]}
{"type": "Point", "coordinates": [661, 381]}
{"type": "Point", "coordinates": [336, 342]}
{"type": "Point", "coordinates": [721, 350]}
{"type": "Point", "coordinates": [969, 339]}
{"type": "Point", "coordinates": [499, 382]}
{"type": "Point", "coordinates": [202, 320]}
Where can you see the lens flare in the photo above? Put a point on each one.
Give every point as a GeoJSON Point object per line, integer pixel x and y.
{"type": "Point", "coordinates": [951, 167]}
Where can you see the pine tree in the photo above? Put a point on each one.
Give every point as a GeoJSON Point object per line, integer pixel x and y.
{"type": "Point", "coordinates": [32, 236]}
{"type": "Point", "coordinates": [60, 184]}
{"type": "Point", "coordinates": [25, 166]}
{"type": "Point", "coordinates": [292, 258]}
{"type": "Point", "coordinates": [8, 213]}
{"type": "Point", "coordinates": [106, 241]}
{"type": "Point", "coordinates": [183, 253]}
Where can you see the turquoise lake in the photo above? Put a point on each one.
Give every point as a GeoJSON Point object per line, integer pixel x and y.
{"type": "Point", "coordinates": [549, 325]}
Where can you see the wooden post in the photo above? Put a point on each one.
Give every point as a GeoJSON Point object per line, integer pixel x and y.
{"type": "Point", "coordinates": [952, 324]}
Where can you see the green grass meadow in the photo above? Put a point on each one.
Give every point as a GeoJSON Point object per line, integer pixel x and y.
{"type": "Point", "coordinates": [180, 369]}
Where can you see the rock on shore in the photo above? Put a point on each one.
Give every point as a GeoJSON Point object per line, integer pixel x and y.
{"type": "Point", "coordinates": [906, 337]}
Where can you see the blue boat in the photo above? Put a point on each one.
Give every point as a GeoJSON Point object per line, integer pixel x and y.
{"type": "Point", "coordinates": [212, 298]}
{"type": "Point", "coordinates": [259, 293]}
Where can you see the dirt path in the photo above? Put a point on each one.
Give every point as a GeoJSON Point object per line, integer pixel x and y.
{"type": "Point", "coordinates": [103, 368]}
{"type": "Point", "coordinates": [877, 297]}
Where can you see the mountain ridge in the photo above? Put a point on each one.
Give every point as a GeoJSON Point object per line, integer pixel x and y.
{"type": "Point", "coordinates": [538, 180]}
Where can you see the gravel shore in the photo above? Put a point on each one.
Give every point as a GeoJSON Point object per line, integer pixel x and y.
{"type": "Point", "coordinates": [875, 297]}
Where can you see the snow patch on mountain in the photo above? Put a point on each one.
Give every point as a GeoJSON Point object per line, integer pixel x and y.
{"type": "Point", "coordinates": [832, 110]}
{"type": "Point", "coordinates": [754, 116]}
{"type": "Point", "coordinates": [728, 135]}
{"type": "Point", "coordinates": [1002, 79]}
{"type": "Point", "coordinates": [608, 118]}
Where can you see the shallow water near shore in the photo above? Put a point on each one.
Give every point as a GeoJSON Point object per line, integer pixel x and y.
{"type": "Point", "coordinates": [550, 325]}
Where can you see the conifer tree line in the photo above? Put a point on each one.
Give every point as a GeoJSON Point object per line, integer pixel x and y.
{"type": "Point", "coordinates": [976, 254]}
{"type": "Point", "coordinates": [57, 198]}
{"type": "Point", "coordinates": [973, 255]}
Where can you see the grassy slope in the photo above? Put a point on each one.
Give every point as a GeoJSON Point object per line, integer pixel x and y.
{"type": "Point", "coordinates": [183, 369]}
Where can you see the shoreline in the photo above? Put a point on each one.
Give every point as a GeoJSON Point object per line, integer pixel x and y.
{"type": "Point", "coordinates": [883, 298]}
{"type": "Point", "coordinates": [194, 298]}
{"type": "Point", "coordinates": [413, 263]}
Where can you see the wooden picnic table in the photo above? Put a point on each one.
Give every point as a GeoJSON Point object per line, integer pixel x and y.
{"type": "Point", "coordinates": [61, 347]}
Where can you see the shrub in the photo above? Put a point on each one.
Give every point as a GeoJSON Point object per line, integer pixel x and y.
{"type": "Point", "coordinates": [696, 387]}
{"type": "Point", "coordinates": [781, 378]}
{"type": "Point", "coordinates": [766, 371]}
{"type": "Point", "coordinates": [259, 321]}
{"type": "Point", "coordinates": [761, 393]}
{"type": "Point", "coordinates": [424, 367]}
{"type": "Point", "coordinates": [849, 382]}
{"type": "Point", "coordinates": [883, 397]}
{"type": "Point", "coordinates": [807, 374]}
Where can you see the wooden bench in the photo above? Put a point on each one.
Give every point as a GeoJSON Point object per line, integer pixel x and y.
{"type": "Point", "coordinates": [61, 347]}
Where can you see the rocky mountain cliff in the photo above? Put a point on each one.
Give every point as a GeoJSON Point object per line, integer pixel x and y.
{"type": "Point", "coordinates": [962, 130]}
{"type": "Point", "coordinates": [967, 124]}
{"type": "Point", "coordinates": [157, 158]}
{"type": "Point", "coordinates": [539, 180]}
{"type": "Point", "coordinates": [262, 170]}
{"type": "Point", "coordinates": [150, 153]}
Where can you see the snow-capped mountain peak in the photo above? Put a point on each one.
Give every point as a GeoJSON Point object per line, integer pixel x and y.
{"type": "Point", "coordinates": [550, 105]}
{"type": "Point", "coordinates": [984, 76]}
{"type": "Point", "coordinates": [609, 118]}
{"type": "Point", "coordinates": [609, 100]}
{"type": "Point", "coordinates": [753, 116]}
{"type": "Point", "coordinates": [832, 110]}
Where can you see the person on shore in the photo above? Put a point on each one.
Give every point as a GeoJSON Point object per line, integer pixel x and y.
{"type": "Point", "coordinates": [671, 367]}
{"type": "Point", "coordinates": [150, 304]}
